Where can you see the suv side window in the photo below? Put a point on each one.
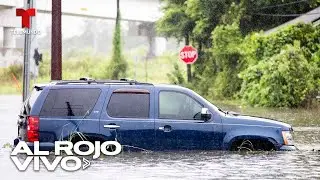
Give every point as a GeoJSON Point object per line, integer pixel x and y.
{"type": "Point", "coordinates": [69, 102]}
{"type": "Point", "coordinates": [127, 104]}
{"type": "Point", "coordinates": [175, 105]}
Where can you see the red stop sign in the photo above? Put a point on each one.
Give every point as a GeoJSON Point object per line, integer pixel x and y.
{"type": "Point", "coordinates": [188, 54]}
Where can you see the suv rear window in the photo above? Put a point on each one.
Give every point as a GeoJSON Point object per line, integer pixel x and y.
{"type": "Point", "coordinates": [69, 102]}
{"type": "Point", "coordinates": [33, 97]}
{"type": "Point", "coordinates": [28, 104]}
{"type": "Point", "coordinates": [129, 105]}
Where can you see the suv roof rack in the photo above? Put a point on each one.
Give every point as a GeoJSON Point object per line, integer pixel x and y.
{"type": "Point", "coordinates": [92, 81]}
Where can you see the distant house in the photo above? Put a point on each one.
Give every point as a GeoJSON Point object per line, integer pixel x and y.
{"type": "Point", "coordinates": [312, 16]}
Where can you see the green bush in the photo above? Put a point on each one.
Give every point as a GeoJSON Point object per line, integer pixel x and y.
{"type": "Point", "coordinates": [283, 81]}
{"type": "Point", "coordinates": [14, 69]}
{"type": "Point", "coordinates": [259, 46]}
{"type": "Point", "coordinates": [213, 27]}
{"type": "Point", "coordinates": [45, 66]}
{"type": "Point", "coordinates": [86, 65]}
{"type": "Point", "coordinates": [225, 86]}
{"type": "Point", "coordinates": [176, 76]}
{"type": "Point", "coordinates": [226, 63]}
{"type": "Point", "coordinates": [315, 61]}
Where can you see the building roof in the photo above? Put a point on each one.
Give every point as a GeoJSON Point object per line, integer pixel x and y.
{"type": "Point", "coordinates": [312, 16]}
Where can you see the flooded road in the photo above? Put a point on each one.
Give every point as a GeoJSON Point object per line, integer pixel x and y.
{"type": "Point", "coordinates": [302, 164]}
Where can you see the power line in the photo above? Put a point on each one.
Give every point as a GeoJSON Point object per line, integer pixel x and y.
{"type": "Point", "coordinates": [280, 5]}
{"type": "Point", "coordinates": [283, 15]}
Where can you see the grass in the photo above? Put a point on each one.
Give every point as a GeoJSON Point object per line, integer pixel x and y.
{"type": "Point", "coordinates": [155, 70]}
{"type": "Point", "coordinates": [87, 64]}
{"type": "Point", "coordinates": [8, 88]}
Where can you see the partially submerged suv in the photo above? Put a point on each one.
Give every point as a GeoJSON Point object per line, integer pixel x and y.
{"type": "Point", "coordinates": [142, 116]}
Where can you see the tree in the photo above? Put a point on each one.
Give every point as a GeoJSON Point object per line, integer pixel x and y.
{"type": "Point", "coordinates": [207, 15]}
{"type": "Point", "coordinates": [118, 65]}
{"type": "Point", "coordinates": [221, 30]}
{"type": "Point", "coordinates": [176, 23]}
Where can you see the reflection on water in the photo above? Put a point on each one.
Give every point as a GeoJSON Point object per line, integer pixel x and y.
{"type": "Point", "coordinates": [186, 165]}
{"type": "Point", "coordinates": [302, 164]}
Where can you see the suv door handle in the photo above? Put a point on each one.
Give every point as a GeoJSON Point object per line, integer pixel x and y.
{"type": "Point", "coordinates": [111, 126]}
{"type": "Point", "coordinates": [166, 128]}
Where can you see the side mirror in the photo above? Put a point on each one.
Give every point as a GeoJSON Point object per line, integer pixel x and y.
{"type": "Point", "coordinates": [205, 114]}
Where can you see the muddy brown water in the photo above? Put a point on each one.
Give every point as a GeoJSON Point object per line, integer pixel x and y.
{"type": "Point", "coordinates": [302, 164]}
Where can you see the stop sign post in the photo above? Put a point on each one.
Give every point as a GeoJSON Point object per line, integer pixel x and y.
{"type": "Point", "coordinates": [189, 54]}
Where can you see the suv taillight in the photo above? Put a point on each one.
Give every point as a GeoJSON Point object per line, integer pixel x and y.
{"type": "Point", "coordinates": [33, 128]}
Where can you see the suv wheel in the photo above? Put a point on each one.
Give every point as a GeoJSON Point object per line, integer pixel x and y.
{"type": "Point", "coordinates": [246, 145]}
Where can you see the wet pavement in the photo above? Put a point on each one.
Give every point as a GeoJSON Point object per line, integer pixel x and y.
{"type": "Point", "coordinates": [302, 164]}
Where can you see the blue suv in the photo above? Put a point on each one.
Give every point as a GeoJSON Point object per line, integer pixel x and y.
{"type": "Point", "coordinates": [143, 116]}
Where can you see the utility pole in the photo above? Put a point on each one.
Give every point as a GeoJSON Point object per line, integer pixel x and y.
{"type": "Point", "coordinates": [26, 57]}
{"type": "Point", "coordinates": [118, 10]}
{"type": "Point", "coordinates": [56, 46]}
{"type": "Point", "coordinates": [189, 76]}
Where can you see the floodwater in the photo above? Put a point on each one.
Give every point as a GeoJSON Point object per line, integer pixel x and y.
{"type": "Point", "coordinates": [302, 164]}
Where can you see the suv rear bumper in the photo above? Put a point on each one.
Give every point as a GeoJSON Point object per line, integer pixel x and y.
{"type": "Point", "coordinates": [43, 146]}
